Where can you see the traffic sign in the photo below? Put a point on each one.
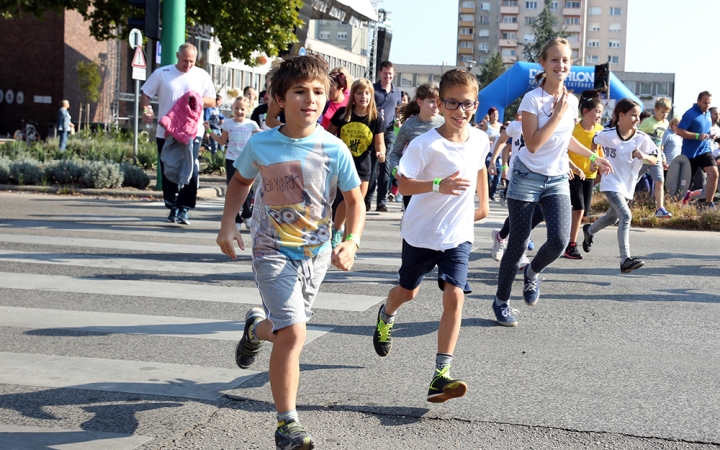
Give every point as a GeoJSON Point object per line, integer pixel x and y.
{"type": "Point", "coordinates": [302, 51]}
{"type": "Point", "coordinates": [138, 60]}
{"type": "Point", "coordinates": [135, 38]}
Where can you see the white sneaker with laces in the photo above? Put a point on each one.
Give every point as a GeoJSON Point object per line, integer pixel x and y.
{"type": "Point", "coordinates": [498, 248]}
{"type": "Point", "coordinates": [524, 261]}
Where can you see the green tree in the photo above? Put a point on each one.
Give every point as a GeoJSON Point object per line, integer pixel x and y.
{"type": "Point", "coordinates": [89, 80]}
{"type": "Point", "coordinates": [492, 68]}
{"type": "Point", "coordinates": [242, 26]}
{"type": "Point", "coordinates": [545, 27]}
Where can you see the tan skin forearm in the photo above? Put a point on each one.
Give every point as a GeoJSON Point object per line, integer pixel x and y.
{"type": "Point", "coordinates": [482, 192]}
{"type": "Point", "coordinates": [273, 112]}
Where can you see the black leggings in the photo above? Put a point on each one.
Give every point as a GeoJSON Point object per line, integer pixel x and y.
{"type": "Point", "coordinates": [536, 219]}
{"type": "Point", "coordinates": [558, 216]}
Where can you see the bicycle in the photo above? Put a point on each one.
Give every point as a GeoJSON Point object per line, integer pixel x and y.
{"type": "Point", "coordinates": [27, 132]}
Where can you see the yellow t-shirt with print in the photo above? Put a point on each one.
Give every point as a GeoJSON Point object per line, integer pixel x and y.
{"type": "Point", "coordinates": [585, 137]}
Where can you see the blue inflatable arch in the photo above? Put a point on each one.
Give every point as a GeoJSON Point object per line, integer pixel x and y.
{"type": "Point", "coordinates": [520, 78]}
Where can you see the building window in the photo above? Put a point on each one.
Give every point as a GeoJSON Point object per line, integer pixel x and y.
{"type": "Point", "coordinates": [509, 36]}
{"type": "Point", "coordinates": [508, 52]}
{"type": "Point", "coordinates": [615, 59]}
{"type": "Point", "coordinates": [406, 79]}
{"type": "Point", "coordinates": [592, 59]}
{"type": "Point", "coordinates": [645, 88]}
{"type": "Point", "coordinates": [509, 19]}
{"type": "Point", "coordinates": [574, 55]}
{"type": "Point", "coordinates": [594, 27]}
{"type": "Point", "coordinates": [530, 20]}
{"type": "Point", "coordinates": [482, 59]}
{"type": "Point", "coordinates": [468, 4]}
{"type": "Point", "coordinates": [593, 43]}
{"type": "Point", "coordinates": [530, 5]}
{"type": "Point", "coordinates": [484, 19]}
{"type": "Point", "coordinates": [484, 47]}
{"type": "Point", "coordinates": [553, 6]}
{"type": "Point", "coordinates": [342, 36]}
{"type": "Point", "coordinates": [616, 11]}
{"type": "Point", "coordinates": [509, 3]}
{"type": "Point", "coordinates": [614, 43]}
{"type": "Point", "coordinates": [467, 18]}
{"type": "Point", "coordinates": [572, 21]}
{"type": "Point", "coordinates": [595, 11]}
{"type": "Point", "coordinates": [573, 37]}
{"type": "Point", "coordinates": [466, 31]}
{"type": "Point", "coordinates": [529, 38]}
{"type": "Point", "coordinates": [422, 78]}
{"type": "Point", "coordinates": [662, 89]}
{"type": "Point", "coordinates": [342, 47]}
{"type": "Point", "coordinates": [466, 44]}
{"type": "Point", "coordinates": [324, 35]}
{"type": "Point", "coordinates": [614, 27]}
{"type": "Point", "coordinates": [485, 6]}
{"type": "Point", "coordinates": [572, 5]}
{"type": "Point", "coordinates": [466, 58]}
{"type": "Point", "coordinates": [484, 33]}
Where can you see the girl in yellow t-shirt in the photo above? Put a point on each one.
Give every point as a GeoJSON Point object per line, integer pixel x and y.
{"type": "Point", "coordinates": [582, 179]}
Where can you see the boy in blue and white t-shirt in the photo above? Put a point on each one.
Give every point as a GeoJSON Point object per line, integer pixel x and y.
{"type": "Point", "coordinates": [236, 133]}
{"type": "Point", "coordinates": [300, 166]}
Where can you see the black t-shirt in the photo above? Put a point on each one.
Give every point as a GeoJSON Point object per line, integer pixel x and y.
{"type": "Point", "coordinates": [260, 112]}
{"type": "Point", "coordinates": [359, 133]}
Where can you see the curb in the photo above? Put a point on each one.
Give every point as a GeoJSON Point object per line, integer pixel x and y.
{"type": "Point", "coordinates": [204, 192]}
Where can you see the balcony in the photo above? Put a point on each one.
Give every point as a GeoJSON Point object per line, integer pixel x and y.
{"type": "Point", "coordinates": [508, 26]}
{"type": "Point", "coordinates": [509, 10]}
{"type": "Point", "coordinates": [508, 43]}
{"type": "Point", "coordinates": [509, 59]}
{"type": "Point", "coordinates": [573, 28]}
{"type": "Point", "coordinates": [466, 24]}
{"type": "Point", "coordinates": [465, 37]}
{"type": "Point", "coordinates": [465, 51]}
{"type": "Point", "coordinates": [467, 10]}
{"type": "Point", "coordinates": [572, 12]}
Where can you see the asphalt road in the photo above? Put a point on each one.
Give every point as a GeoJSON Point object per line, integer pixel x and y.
{"type": "Point", "coordinates": [117, 331]}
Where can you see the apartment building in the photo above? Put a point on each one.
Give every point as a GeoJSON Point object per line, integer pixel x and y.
{"type": "Point", "coordinates": [598, 29]}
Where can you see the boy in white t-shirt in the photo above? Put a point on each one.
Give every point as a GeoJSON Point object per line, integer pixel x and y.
{"type": "Point", "coordinates": [236, 133]}
{"type": "Point", "coordinates": [441, 169]}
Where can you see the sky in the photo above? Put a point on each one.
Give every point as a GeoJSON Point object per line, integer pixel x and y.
{"type": "Point", "coordinates": [426, 34]}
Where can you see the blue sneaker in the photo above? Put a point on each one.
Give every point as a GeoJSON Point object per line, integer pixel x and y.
{"type": "Point", "coordinates": [531, 244]}
{"type": "Point", "coordinates": [504, 314]}
{"type": "Point", "coordinates": [183, 217]}
{"type": "Point", "coordinates": [531, 289]}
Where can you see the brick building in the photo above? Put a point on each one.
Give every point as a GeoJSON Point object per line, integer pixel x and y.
{"type": "Point", "coordinates": [39, 59]}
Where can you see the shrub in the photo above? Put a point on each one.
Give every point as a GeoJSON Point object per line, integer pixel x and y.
{"type": "Point", "coordinates": [102, 174]}
{"type": "Point", "coordinates": [214, 163]}
{"type": "Point", "coordinates": [13, 149]}
{"type": "Point", "coordinates": [64, 171]}
{"type": "Point", "coordinates": [147, 156]}
{"type": "Point", "coordinates": [27, 171]}
{"type": "Point", "coordinates": [134, 176]}
{"type": "Point", "coordinates": [4, 170]}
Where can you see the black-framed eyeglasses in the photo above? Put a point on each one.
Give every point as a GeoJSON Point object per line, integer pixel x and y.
{"type": "Point", "coordinates": [452, 105]}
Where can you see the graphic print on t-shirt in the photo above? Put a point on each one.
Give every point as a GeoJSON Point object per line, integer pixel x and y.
{"type": "Point", "coordinates": [289, 206]}
{"type": "Point", "coordinates": [357, 136]}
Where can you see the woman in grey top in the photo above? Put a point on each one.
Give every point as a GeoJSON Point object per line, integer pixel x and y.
{"type": "Point", "coordinates": [420, 116]}
{"type": "Point", "coordinates": [64, 124]}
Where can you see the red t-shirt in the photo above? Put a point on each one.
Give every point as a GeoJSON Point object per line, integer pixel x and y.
{"type": "Point", "coordinates": [331, 109]}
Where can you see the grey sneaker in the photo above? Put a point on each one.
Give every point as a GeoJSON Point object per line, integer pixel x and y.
{"type": "Point", "coordinates": [291, 435]}
{"type": "Point", "coordinates": [587, 238]}
{"type": "Point", "coordinates": [631, 264]}
{"type": "Point", "coordinates": [246, 351]}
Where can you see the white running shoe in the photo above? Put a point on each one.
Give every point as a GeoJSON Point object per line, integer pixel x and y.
{"type": "Point", "coordinates": [524, 261]}
{"type": "Point", "coordinates": [498, 248]}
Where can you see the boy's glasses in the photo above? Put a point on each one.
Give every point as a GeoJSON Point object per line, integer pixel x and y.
{"type": "Point", "coordinates": [452, 105]}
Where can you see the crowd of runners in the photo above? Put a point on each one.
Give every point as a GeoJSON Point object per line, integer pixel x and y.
{"type": "Point", "coordinates": [304, 165]}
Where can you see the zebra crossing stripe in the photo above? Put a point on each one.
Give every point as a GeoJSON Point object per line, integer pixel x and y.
{"type": "Point", "coordinates": [116, 323]}
{"type": "Point", "coordinates": [199, 292]}
{"type": "Point", "coordinates": [111, 375]}
{"type": "Point", "coordinates": [19, 437]}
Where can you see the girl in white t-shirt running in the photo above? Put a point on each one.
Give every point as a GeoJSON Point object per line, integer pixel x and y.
{"type": "Point", "coordinates": [626, 147]}
{"type": "Point", "coordinates": [235, 133]}
{"type": "Point", "coordinates": [540, 175]}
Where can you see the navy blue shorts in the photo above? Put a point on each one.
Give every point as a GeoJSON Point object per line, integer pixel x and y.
{"type": "Point", "coordinates": [452, 266]}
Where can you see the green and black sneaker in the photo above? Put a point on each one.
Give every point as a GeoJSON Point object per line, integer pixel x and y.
{"type": "Point", "coordinates": [291, 435]}
{"type": "Point", "coordinates": [246, 351]}
{"type": "Point", "coordinates": [382, 341]}
{"type": "Point", "coordinates": [443, 387]}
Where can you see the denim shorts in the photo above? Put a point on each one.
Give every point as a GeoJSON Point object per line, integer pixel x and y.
{"type": "Point", "coordinates": [288, 287]}
{"type": "Point", "coordinates": [452, 266]}
{"type": "Point", "coordinates": [656, 170]}
{"type": "Point", "coordinates": [528, 186]}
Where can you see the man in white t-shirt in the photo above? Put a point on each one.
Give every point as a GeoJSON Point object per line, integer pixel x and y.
{"type": "Point", "coordinates": [169, 83]}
